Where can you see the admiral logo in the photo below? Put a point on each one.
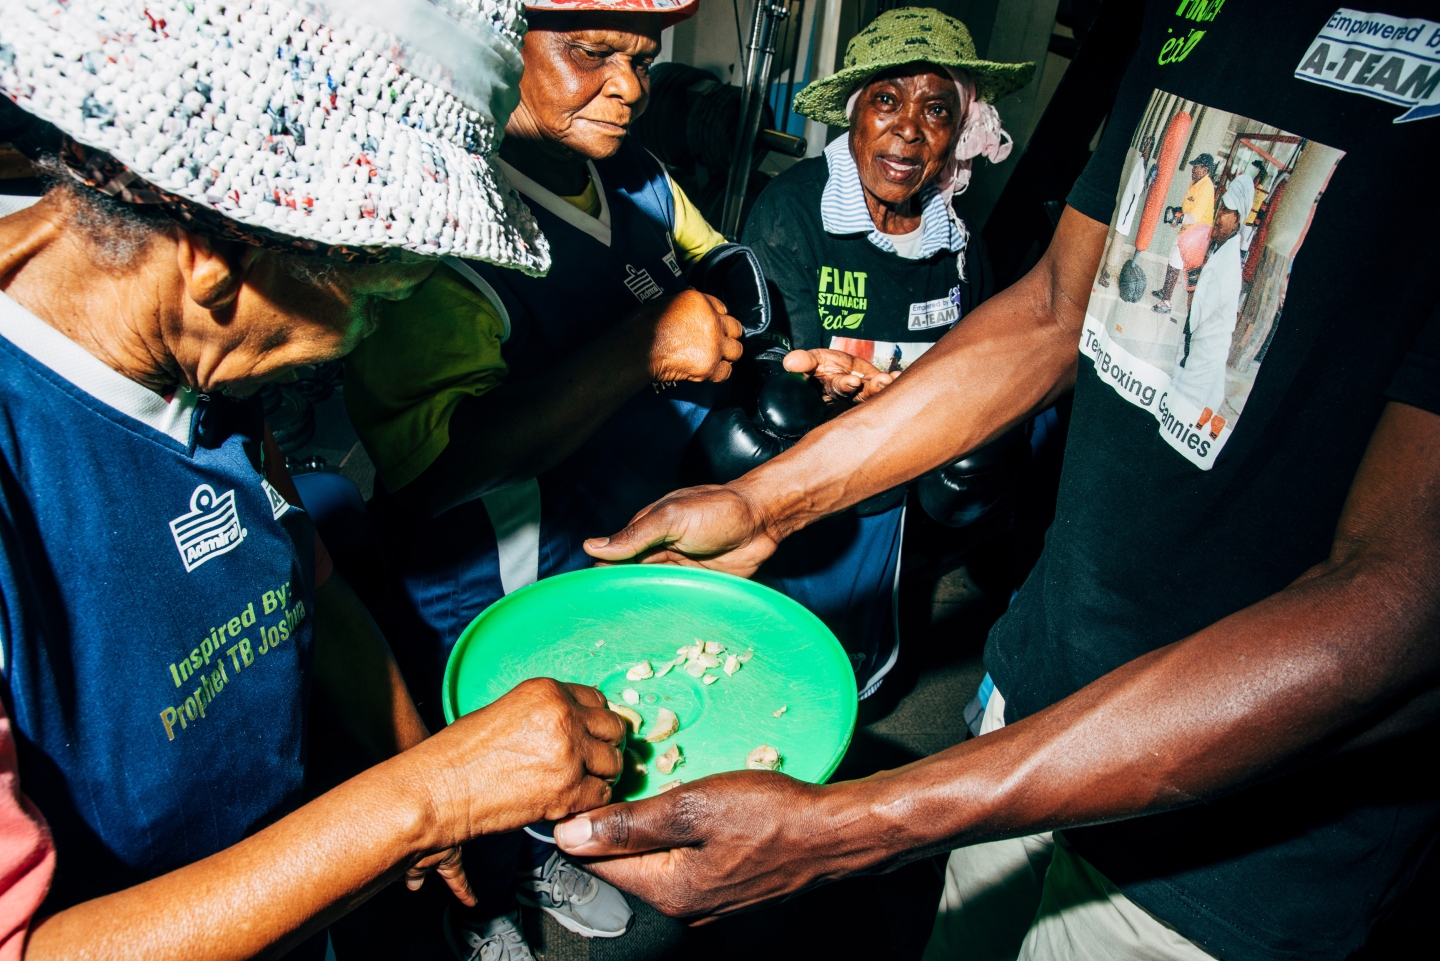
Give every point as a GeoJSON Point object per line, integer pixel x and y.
{"type": "Point", "coordinates": [642, 285]}
{"type": "Point", "coordinates": [210, 529]}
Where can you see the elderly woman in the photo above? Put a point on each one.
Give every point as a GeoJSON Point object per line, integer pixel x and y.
{"type": "Point", "coordinates": [236, 190]}
{"type": "Point", "coordinates": [511, 416]}
{"type": "Point", "coordinates": [870, 265]}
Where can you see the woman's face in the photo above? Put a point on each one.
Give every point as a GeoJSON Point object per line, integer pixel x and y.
{"type": "Point", "coordinates": [903, 130]}
{"type": "Point", "coordinates": [587, 76]}
{"type": "Point", "coordinates": [289, 315]}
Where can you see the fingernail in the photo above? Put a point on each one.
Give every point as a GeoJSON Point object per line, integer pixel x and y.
{"type": "Point", "coordinates": [573, 833]}
{"type": "Point", "coordinates": [597, 542]}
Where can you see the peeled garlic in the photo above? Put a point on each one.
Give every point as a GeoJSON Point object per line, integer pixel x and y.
{"type": "Point", "coordinates": [694, 668]}
{"type": "Point", "coordinates": [669, 784]}
{"type": "Point", "coordinates": [709, 660]}
{"type": "Point", "coordinates": [779, 712]}
{"type": "Point", "coordinates": [670, 760]}
{"type": "Point", "coordinates": [732, 663]}
{"type": "Point", "coordinates": [640, 672]}
{"type": "Point", "coordinates": [630, 696]}
{"type": "Point", "coordinates": [763, 758]}
{"type": "Point", "coordinates": [664, 668]}
{"type": "Point", "coordinates": [744, 656]}
{"type": "Point", "coordinates": [710, 679]}
{"type": "Point", "coordinates": [629, 714]}
{"type": "Point", "coordinates": [714, 647]}
{"type": "Point", "coordinates": [666, 724]}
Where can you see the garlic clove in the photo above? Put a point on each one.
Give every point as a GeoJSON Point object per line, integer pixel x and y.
{"type": "Point", "coordinates": [732, 664]}
{"type": "Point", "coordinates": [629, 714]}
{"type": "Point", "coordinates": [670, 760]}
{"type": "Point", "coordinates": [764, 758]}
{"type": "Point", "coordinates": [710, 679]}
{"type": "Point", "coordinates": [666, 724]}
{"type": "Point", "coordinates": [640, 672]}
{"type": "Point", "coordinates": [630, 696]}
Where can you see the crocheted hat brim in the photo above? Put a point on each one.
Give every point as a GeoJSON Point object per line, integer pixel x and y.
{"type": "Point", "coordinates": [824, 100]}
{"type": "Point", "coordinates": [275, 121]}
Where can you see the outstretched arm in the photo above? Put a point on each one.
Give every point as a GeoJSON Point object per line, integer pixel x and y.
{"type": "Point", "coordinates": [1342, 658]}
{"type": "Point", "coordinates": [541, 752]}
{"type": "Point", "coordinates": [1014, 355]}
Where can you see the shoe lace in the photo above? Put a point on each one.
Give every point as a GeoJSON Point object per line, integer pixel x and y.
{"type": "Point", "coordinates": [492, 948]}
{"type": "Point", "coordinates": [570, 883]}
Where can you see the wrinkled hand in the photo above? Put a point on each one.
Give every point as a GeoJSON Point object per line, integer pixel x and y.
{"type": "Point", "coordinates": [693, 338]}
{"type": "Point", "coordinates": [543, 751]}
{"type": "Point", "coordinates": [843, 376]}
{"type": "Point", "coordinates": [709, 526]}
{"type": "Point", "coordinates": [708, 848]}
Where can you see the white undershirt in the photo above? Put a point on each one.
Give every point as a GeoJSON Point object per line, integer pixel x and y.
{"type": "Point", "coordinates": [907, 245]}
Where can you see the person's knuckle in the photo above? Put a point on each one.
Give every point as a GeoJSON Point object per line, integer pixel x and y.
{"type": "Point", "coordinates": [616, 828]}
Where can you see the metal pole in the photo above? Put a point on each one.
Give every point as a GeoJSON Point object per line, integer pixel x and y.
{"type": "Point", "coordinates": [768, 13]}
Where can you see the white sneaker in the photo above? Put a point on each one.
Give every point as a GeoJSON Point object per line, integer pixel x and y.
{"type": "Point", "coordinates": [577, 899]}
{"type": "Point", "coordinates": [498, 939]}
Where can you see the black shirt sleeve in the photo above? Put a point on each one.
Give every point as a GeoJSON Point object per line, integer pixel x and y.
{"type": "Point", "coordinates": [777, 231]}
{"type": "Point", "coordinates": [1417, 382]}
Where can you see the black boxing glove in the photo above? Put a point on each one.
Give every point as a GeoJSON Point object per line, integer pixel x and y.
{"type": "Point", "coordinates": [959, 494]}
{"type": "Point", "coordinates": [732, 273]}
{"type": "Point", "coordinates": [731, 442]}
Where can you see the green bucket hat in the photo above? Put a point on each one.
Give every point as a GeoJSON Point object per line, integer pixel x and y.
{"type": "Point", "coordinates": [901, 36]}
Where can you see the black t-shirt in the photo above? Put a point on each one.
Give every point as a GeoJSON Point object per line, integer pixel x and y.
{"type": "Point", "coordinates": [1212, 447]}
{"type": "Point", "coordinates": [843, 291]}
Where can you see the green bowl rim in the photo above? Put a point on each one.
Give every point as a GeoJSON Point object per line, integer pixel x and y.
{"type": "Point", "coordinates": [852, 703]}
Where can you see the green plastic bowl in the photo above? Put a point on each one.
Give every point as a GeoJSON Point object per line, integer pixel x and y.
{"type": "Point", "coordinates": [592, 626]}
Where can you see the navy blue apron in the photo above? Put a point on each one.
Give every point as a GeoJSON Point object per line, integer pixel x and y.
{"type": "Point", "coordinates": [156, 604]}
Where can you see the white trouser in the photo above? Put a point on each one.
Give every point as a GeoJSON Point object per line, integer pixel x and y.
{"type": "Point", "coordinates": [1177, 259]}
{"type": "Point", "coordinates": [1034, 899]}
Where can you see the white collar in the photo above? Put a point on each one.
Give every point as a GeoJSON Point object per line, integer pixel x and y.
{"type": "Point", "coordinates": [597, 227]}
{"type": "Point", "coordinates": [87, 372]}
{"type": "Point", "coordinates": [843, 209]}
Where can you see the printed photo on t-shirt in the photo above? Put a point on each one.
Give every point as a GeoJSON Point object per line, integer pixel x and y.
{"type": "Point", "coordinates": [890, 356]}
{"type": "Point", "coordinates": [1212, 210]}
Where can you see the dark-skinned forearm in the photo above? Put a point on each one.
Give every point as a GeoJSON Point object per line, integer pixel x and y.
{"type": "Point", "coordinates": [1014, 355]}
{"type": "Point", "coordinates": [1342, 657]}
{"type": "Point", "coordinates": [357, 678]}
{"type": "Point", "coordinates": [523, 428]}
{"type": "Point", "coordinates": [266, 893]}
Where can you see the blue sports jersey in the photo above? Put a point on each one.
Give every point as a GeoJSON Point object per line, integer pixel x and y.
{"type": "Point", "coordinates": [155, 618]}
{"type": "Point", "coordinates": [454, 566]}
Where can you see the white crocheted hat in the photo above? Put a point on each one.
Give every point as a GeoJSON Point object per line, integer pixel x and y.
{"type": "Point", "coordinates": [353, 125]}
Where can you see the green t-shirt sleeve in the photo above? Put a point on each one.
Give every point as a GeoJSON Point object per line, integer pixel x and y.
{"type": "Point", "coordinates": [404, 381]}
{"type": "Point", "coordinates": [694, 237]}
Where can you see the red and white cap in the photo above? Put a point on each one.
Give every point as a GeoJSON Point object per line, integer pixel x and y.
{"type": "Point", "coordinates": [673, 11]}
